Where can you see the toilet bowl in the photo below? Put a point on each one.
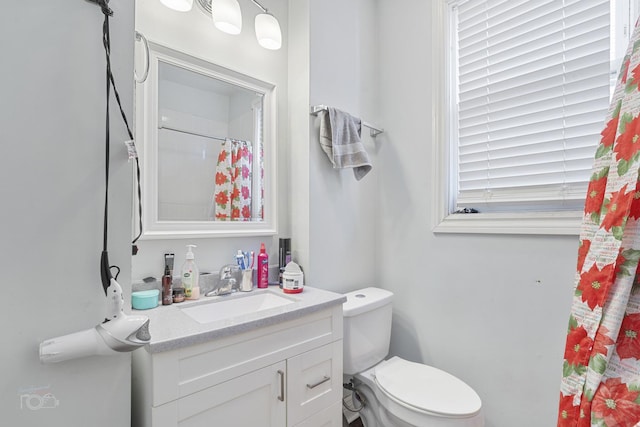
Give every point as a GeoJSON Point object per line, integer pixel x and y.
{"type": "Point", "coordinates": [397, 392]}
{"type": "Point", "coordinates": [400, 393]}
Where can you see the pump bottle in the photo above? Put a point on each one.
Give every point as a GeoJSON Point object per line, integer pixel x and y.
{"type": "Point", "coordinates": [190, 275]}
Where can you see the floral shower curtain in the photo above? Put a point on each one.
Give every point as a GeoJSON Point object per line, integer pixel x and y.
{"type": "Point", "coordinates": [232, 195]}
{"type": "Point", "coordinates": [601, 373]}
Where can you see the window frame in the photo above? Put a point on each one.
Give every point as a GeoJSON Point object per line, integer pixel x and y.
{"type": "Point", "coordinates": [444, 170]}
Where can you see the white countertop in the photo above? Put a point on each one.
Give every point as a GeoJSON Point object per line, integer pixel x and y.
{"type": "Point", "coordinates": [171, 328]}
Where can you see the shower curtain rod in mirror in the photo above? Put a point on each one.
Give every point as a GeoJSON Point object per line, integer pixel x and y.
{"type": "Point", "coordinates": [193, 133]}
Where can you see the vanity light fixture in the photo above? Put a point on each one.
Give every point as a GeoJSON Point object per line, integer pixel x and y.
{"type": "Point", "coordinates": [179, 5]}
{"type": "Point", "coordinates": [227, 17]}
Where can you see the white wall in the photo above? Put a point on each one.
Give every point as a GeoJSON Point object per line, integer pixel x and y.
{"type": "Point", "coordinates": [193, 33]}
{"type": "Point", "coordinates": [339, 45]}
{"type": "Point", "coordinates": [52, 172]}
{"type": "Point", "coordinates": [299, 130]}
{"type": "Point", "coordinates": [492, 310]}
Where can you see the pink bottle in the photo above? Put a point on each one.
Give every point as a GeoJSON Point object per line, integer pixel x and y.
{"type": "Point", "coordinates": [263, 267]}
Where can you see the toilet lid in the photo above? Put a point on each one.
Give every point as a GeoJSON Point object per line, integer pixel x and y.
{"type": "Point", "coordinates": [426, 388]}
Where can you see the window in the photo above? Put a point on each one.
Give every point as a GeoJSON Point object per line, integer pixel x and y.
{"type": "Point", "coordinates": [530, 84]}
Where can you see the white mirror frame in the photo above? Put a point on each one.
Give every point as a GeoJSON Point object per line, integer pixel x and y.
{"type": "Point", "coordinates": [147, 133]}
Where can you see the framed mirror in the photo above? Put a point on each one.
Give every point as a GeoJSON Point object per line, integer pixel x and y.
{"type": "Point", "coordinates": [208, 149]}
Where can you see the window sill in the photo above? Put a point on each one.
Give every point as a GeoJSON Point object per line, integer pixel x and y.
{"type": "Point", "coordinates": [541, 223]}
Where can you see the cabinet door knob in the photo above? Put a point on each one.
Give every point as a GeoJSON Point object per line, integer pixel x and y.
{"type": "Point", "coordinates": [281, 396]}
{"type": "Point", "coordinates": [322, 381]}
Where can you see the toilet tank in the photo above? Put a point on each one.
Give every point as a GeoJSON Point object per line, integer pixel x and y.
{"type": "Point", "coordinates": [367, 328]}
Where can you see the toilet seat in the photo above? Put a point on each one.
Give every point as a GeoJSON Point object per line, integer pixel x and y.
{"type": "Point", "coordinates": [426, 389]}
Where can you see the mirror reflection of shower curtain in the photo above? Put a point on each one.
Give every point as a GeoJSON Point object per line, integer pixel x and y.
{"type": "Point", "coordinates": [233, 182]}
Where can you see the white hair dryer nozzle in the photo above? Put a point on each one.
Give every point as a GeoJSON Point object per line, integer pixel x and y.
{"type": "Point", "coordinates": [119, 333]}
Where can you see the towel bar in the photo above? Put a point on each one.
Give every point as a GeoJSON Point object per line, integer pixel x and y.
{"type": "Point", "coordinates": [373, 131]}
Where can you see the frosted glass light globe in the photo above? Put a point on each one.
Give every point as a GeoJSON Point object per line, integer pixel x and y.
{"type": "Point", "coordinates": [268, 31]}
{"type": "Point", "coordinates": [227, 16]}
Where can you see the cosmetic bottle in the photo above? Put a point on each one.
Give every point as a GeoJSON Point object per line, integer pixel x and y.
{"type": "Point", "coordinates": [263, 267]}
{"type": "Point", "coordinates": [167, 291]}
{"type": "Point", "coordinates": [284, 257]}
{"type": "Point", "coordinates": [190, 275]}
{"type": "Point", "coordinates": [292, 279]}
{"type": "Point", "coordinates": [178, 295]}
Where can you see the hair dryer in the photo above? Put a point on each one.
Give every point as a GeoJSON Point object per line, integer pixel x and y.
{"type": "Point", "coordinates": [119, 332]}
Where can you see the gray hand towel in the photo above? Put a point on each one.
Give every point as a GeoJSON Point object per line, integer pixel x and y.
{"type": "Point", "coordinates": [340, 140]}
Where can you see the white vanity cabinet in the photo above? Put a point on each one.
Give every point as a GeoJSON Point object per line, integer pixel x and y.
{"type": "Point", "coordinates": [287, 374]}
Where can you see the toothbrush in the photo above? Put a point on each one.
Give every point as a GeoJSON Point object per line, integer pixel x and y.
{"type": "Point", "coordinates": [253, 259]}
{"type": "Point", "coordinates": [247, 262]}
{"type": "Point", "coordinates": [240, 260]}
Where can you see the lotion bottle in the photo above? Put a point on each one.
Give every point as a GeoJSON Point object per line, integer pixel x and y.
{"type": "Point", "coordinates": [190, 275]}
{"type": "Point", "coordinates": [263, 267]}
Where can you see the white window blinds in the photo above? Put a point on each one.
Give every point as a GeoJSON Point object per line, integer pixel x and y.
{"type": "Point", "coordinates": [533, 92]}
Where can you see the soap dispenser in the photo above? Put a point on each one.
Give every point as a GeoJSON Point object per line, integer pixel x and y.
{"type": "Point", "coordinates": [190, 275]}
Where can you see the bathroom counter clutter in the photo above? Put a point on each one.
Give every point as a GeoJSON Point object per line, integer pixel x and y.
{"type": "Point", "coordinates": [210, 318]}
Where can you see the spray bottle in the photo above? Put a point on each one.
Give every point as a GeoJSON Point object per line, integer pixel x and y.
{"type": "Point", "coordinates": [190, 275]}
{"type": "Point", "coordinates": [263, 267]}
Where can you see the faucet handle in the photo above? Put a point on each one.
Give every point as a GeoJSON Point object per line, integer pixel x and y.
{"type": "Point", "coordinates": [226, 272]}
{"type": "Point", "coordinates": [227, 282]}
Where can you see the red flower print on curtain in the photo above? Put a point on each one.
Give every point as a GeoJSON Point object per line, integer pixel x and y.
{"type": "Point", "coordinates": [595, 194]}
{"type": "Point", "coordinates": [628, 344]}
{"type": "Point", "coordinates": [616, 404]}
{"type": "Point", "coordinates": [232, 195]}
{"type": "Point", "coordinates": [601, 371]}
{"type": "Point", "coordinates": [568, 413]}
{"type": "Point", "coordinates": [578, 347]}
{"type": "Point", "coordinates": [594, 285]}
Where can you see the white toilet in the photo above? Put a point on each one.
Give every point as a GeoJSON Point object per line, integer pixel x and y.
{"type": "Point", "coordinates": [396, 392]}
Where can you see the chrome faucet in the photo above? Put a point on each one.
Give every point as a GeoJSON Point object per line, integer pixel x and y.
{"type": "Point", "coordinates": [227, 283]}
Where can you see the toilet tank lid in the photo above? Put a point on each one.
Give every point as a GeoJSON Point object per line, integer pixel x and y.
{"type": "Point", "coordinates": [363, 300]}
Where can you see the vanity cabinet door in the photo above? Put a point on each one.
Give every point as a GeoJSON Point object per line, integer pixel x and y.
{"type": "Point", "coordinates": [255, 399]}
{"type": "Point", "coordinates": [314, 383]}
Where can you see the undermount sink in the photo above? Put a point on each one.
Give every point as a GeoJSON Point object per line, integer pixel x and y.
{"type": "Point", "coordinates": [236, 305]}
